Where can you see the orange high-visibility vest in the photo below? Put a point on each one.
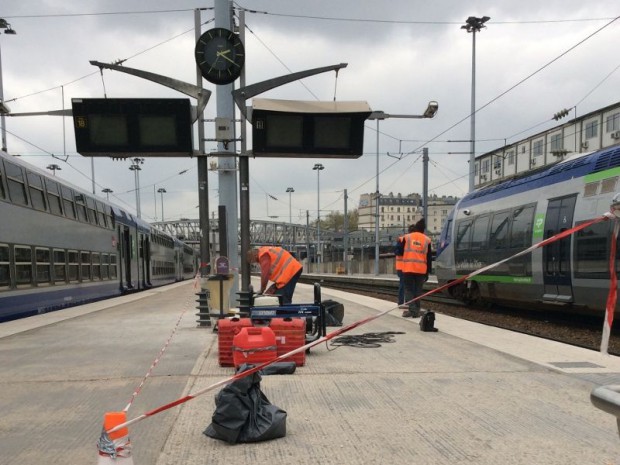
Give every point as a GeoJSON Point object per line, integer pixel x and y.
{"type": "Point", "coordinates": [283, 265]}
{"type": "Point", "coordinates": [414, 256]}
{"type": "Point", "coordinates": [398, 263]}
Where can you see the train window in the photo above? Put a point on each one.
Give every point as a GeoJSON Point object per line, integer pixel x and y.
{"type": "Point", "coordinates": [479, 233]}
{"type": "Point", "coordinates": [60, 269]}
{"type": "Point", "coordinates": [112, 266]}
{"type": "Point", "coordinates": [591, 189]}
{"type": "Point", "coordinates": [96, 265]}
{"type": "Point", "coordinates": [609, 185]}
{"type": "Point", "coordinates": [92, 211]}
{"type": "Point", "coordinates": [105, 266]}
{"type": "Point", "coordinates": [2, 193]}
{"type": "Point", "coordinates": [80, 207]}
{"type": "Point", "coordinates": [67, 203]}
{"type": "Point", "coordinates": [592, 251]}
{"type": "Point", "coordinates": [498, 237]}
{"type": "Point", "coordinates": [16, 183]}
{"type": "Point", "coordinates": [37, 193]}
{"type": "Point", "coordinates": [85, 268]}
{"type": "Point", "coordinates": [5, 269]}
{"type": "Point", "coordinates": [522, 221]}
{"type": "Point", "coordinates": [101, 218]}
{"type": "Point", "coordinates": [43, 265]}
{"type": "Point", "coordinates": [463, 235]}
{"type": "Point", "coordinates": [53, 197]}
{"type": "Point", "coordinates": [23, 265]}
{"type": "Point", "coordinates": [73, 267]}
{"type": "Point", "coordinates": [109, 216]}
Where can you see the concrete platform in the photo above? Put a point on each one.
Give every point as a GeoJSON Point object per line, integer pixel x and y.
{"type": "Point", "coordinates": [467, 394]}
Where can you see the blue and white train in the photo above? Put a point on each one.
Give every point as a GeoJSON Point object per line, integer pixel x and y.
{"type": "Point", "coordinates": [498, 221]}
{"type": "Point", "coordinates": [61, 246]}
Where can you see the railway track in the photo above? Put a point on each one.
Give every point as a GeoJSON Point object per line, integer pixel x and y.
{"type": "Point", "coordinates": [578, 330]}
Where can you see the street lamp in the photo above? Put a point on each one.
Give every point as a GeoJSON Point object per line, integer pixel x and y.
{"type": "Point", "coordinates": [162, 191]}
{"type": "Point", "coordinates": [473, 25]}
{"type": "Point", "coordinates": [290, 190]}
{"type": "Point", "coordinates": [430, 112]}
{"type": "Point", "coordinates": [4, 110]}
{"type": "Point", "coordinates": [53, 167]}
{"type": "Point", "coordinates": [107, 191]}
{"type": "Point", "coordinates": [318, 167]}
{"type": "Point", "coordinates": [135, 167]}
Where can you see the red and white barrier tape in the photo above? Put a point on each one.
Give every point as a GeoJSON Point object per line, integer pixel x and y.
{"type": "Point", "coordinates": [354, 325]}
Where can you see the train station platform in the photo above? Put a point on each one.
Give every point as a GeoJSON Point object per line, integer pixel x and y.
{"type": "Point", "coordinates": [466, 394]}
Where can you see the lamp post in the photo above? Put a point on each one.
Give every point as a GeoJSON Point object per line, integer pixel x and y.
{"type": "Point", "coordinates": [290, 190]}
{"type": "Point", "coordinates": [430, 112]}
{"type": "Point", "coordinates": [53, 167]}
{"type": "Point", "coordinates": [107, 191]}
{"type": "Point", "coordinates": [473, 25]}
{"type": "Point", "coordinates": [162, 191]}
{"type": "Point", "coordinates": [135, 167]}
{"type": "Point", "coordinates": [318, 167]}
{"type": "Point", "coordinates": [4, 110]}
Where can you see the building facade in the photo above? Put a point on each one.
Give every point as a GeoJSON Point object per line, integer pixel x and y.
{"type": "Point", "coordinates": [592, 131]}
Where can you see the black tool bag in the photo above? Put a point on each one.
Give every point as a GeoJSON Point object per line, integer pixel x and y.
{"type": "Point", "coordinates": [244, 414]}
{"type": "Point", "coordinates": [334, 312]}
{"type": "Point", "coordinates": [427, 321]}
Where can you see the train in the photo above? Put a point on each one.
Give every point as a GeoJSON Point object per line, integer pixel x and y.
{"type": "Point", "coordinates": [61, 246]}
{"type": "Point", "coordinates": [496, 222]}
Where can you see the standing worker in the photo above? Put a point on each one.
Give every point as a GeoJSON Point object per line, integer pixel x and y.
{"type": "Point", "coordinates": [278, 266]}
{"type": "Point", "coordinates": [417, 264]}
{"type": "Point", "coordinates": [398, 265]}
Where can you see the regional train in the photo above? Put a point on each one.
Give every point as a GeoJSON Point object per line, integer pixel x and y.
{"type": "Point", "coordinates": [498, 221]}
{"type": "Point", "coordinates": [61, 246]}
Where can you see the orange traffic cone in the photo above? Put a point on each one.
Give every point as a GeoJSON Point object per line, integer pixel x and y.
{"type": "Point", "coordinates": [114, 448]}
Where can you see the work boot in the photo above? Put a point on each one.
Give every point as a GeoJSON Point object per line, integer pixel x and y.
{"type": "Point", "coordinates": [406, 314]}
{"type": "Point", "coordinates": [414, 313]}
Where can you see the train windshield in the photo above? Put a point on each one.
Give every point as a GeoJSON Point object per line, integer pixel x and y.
{"type": "Point", "coordinates": [445, 238]}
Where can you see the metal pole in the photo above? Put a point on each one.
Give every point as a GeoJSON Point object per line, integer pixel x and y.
{"type": "Point", "coordinates": [377, 209]}
{"type": "Point", "coordinates": [2, 118]}
{"type": "Point", "coordinates": [345, 241]}
{"type": "Point", "coordinates": [155, 201]}
{"type": "Point", "coordinates": [162, 206]}
{"type": "Point", "coordinates": [472, 137]}
{"type": "Point", "coordinates": [203, 169]}
{"type": "Point", "coordinates": [244, 182]}
{"type": "Point", "coordinates": [318, 215]}
{"type": "Point", "coordinates": [425, 184]}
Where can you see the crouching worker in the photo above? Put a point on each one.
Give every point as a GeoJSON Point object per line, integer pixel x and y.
{"type": "Point", "coordinates": [278, 266]}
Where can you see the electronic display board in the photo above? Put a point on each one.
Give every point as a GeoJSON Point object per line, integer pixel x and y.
{"type": "Point", "coordinates": [130, 127]}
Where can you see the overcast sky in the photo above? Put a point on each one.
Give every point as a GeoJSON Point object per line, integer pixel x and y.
{"type": "Point", "coordinates": [533, 59]}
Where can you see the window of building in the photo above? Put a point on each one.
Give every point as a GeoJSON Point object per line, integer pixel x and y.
{"type": "Point", "coordinates": [537, 148]}
{"type": "Point", "coordinates": [510, 157]}
{"type": "Point", "coordinates": [556, 143]}
{"type": "Point", "coordinates": [485, 166]}
{"type": "Point", "coordinates": [612, 123]}
{"type": "Point", "coordinates": [591, 129]}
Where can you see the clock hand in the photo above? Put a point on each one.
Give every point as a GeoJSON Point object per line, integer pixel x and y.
{"type": "Point", "coordinates": [226, 58]}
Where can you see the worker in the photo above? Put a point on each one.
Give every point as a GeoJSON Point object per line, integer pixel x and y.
{"type": "Point", "coordinates": [398, 266]}
{"type": "Point", "coordinates": [417, 264]}
{"type": "Point", "coordinates": [278, 266]}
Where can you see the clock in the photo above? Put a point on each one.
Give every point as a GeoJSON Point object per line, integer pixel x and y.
{"type": "Point", "coordinates": [220, 55]}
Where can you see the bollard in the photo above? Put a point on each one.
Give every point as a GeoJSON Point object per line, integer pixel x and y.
{"type": "Point", "coordinates": [204, 320]}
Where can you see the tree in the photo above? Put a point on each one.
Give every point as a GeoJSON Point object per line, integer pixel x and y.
{"type": "Point", "coordinates": [334, 221]}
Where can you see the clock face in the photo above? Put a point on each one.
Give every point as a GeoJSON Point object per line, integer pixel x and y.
{"type": "Point", "coordinates": [220, 55]}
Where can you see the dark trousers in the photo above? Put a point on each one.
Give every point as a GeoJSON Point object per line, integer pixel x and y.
{"type": "Point", "coordinates": [288, 289]}
{"type": "Point", "coordinates": [401, 287]}
{"type": "Point", "coordinates": [413, 283]}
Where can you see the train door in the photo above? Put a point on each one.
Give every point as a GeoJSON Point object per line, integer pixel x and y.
{"type": "Point", "coordinates": [126, 257]}
{"type": "Point", "coordinates": [556, 256]}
